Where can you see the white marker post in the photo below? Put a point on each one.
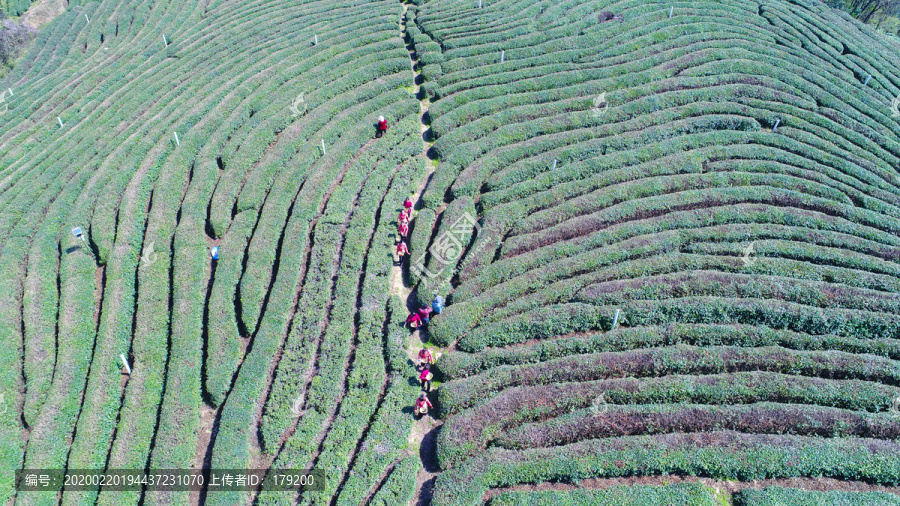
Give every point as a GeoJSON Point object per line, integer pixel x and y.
{"type": "Point", "coordinates": [671, 11]}
{"type": "Point", "coordinates": [60, 122]}
{"type": "Point", "coordinates": [10, 91]}
{"type": "Point", "coordinates": [502, 56]}
{"type": "Point", "coordinates": [867, 80]}
{"type": "Point", "coordinates": [776, 124]}
{"type": "Point", "coordinates": [87, 18]}
{"type": "Point", "coordinates": [124, 361]}
{"type": "Point", "coordinates": [316, 39]}
{"type": "Point", "coordinates": [479, 4]}
{"type": "Point", "coordinates": [176, 138]}
{"type": "Point", "coordinates": [554, 164]}
{"type": "Point", "coordinates": [165, 41]}
{"type": "Point", "coordinates": [615, 320]}
{"type": "Point", "coordinates": [323, 147]}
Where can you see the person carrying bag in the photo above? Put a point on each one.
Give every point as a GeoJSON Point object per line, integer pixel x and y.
{"type": "Point", "coordinates": [422, 405]}
{"type": "Point", "coordinates": [425, 378]}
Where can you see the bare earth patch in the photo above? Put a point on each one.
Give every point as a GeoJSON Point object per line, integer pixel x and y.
{"type": "Point", "coordinates": [203, 456]}
{"type": "Point", "coordinates": [43, 11]}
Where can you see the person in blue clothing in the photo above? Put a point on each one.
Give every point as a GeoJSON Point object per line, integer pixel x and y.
{"type": "Point", "coordinates": [437, 305]}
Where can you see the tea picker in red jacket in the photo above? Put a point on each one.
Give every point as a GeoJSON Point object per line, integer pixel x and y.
{"type": "Point", "coordinates": [425, 357]}
{"type": "Point", "coordinates": [382, 126]}
{"type": "Point", "coordinates": [424, 313]}
{"type": "Point", "coordinates": [402, 249]}
{"type": "Point", "coordinates": [422, 405]}
{"type": "Point", "coordinates": [425, 378]}
{"type": "Point", "coordinates": [413, 320]}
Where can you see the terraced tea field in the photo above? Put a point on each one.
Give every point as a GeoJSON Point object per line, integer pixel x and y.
{"type": "Point", "coordinates": [636, 167]}
{"type": "Point", "coordinates": [14, 7]}
{"type": "Point", "coordinates": [292, 315]}
{"type": "Point", "coordinates": [669, 244]}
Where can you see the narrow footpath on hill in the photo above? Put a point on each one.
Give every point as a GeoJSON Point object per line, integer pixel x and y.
{"type": "Point", "coordinates": [423, 437]}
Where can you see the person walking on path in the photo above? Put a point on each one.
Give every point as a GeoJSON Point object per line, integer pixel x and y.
{"type": "Point", "coordinates": [424, 313]}
{"type": "Point", "coordinates": [422, 405]}
{"type": "Point", "coordinates": [404, 230]}
{"type": "Point", "coordinates": [425, 378]}
{"type": "Point", "coordinates": [413, 320]}
{"type": "Point", "coordinates": [437, 305]}
{"type": "Point", "coordinates": [404, 216]}
{"type": "Point", "coordinates": [381, 128]}
{"type": "Point", "coordinates": [425, 358]}
{"type": "Point", "coordinates": [402, 250]}
{"type": "Point", "coordinates": [408, 203]}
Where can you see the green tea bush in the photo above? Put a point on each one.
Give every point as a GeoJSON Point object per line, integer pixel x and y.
{"type": "Point", "coordinates": [15, 7]}
{"type": "Point", "coordinates": [682, 494]}
{"type": "Point", "coordinates": [759, 418]}
{"type": "Point", "coordinates": [400, 485]}
{"type": "Point", "coordinates": [721, 454]}
{"type": "Point", "coordinates": [460, 365]}
{"type": "Point", "coordinates": [469, 431]}
{"type": "Point", "coordinates": [771, 496]}
{"type": "Point", "coordinates": [680, 359]}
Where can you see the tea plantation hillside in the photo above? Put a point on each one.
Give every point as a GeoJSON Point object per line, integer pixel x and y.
{"type": "Point", "coordinates": [224, 355]}
{"type": "Point", "coordinates": [14, 7]}
{"type": "Point", "coordinates": [724, 175]}
{"type": "Point", "coordinates": [667, 234]}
